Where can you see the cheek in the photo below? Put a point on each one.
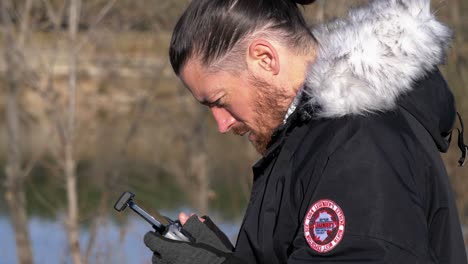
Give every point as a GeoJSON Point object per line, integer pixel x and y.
{"type": "Point", "coordinates": [240, 110]}
{"type": "Point", "coordinates": [243, 106]}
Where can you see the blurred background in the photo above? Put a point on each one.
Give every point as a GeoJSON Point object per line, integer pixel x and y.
{"type": "Point", "coordinates": [90, 107]}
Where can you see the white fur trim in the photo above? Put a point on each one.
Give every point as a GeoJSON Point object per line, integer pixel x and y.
{"type": "Point", "coordinates": [368, 59]}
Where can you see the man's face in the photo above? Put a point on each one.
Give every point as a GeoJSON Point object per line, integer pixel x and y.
{"type": "Point", "coordinates": [238, 102]}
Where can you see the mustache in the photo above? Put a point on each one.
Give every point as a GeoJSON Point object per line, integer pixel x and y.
{"type": "Point", "coordinates": [240, 129]}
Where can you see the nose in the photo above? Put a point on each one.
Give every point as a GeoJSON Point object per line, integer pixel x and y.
{"type": "Point", "coordinates": [223, 118]}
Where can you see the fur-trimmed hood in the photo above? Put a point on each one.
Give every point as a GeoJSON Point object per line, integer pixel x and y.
{"type": "Point", "coordinates": [366, 61]}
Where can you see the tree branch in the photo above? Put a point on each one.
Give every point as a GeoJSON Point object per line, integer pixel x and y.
{"type": "Point", "coordinates": [25, 20]}
{"type": "Point", "coordinates": [102, 13]}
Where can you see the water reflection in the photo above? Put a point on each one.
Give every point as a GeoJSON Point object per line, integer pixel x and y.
{"type": "Point", "coordinates": [115, 242]}
{"type": "Point", "coordinates": [119, 235]}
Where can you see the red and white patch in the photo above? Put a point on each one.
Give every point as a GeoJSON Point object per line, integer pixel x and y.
{"type": "Point", "coordinates": [324, 226]}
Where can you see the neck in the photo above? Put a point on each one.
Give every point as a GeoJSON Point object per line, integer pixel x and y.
{"type": "Point", "coordinates": [296, 78]}
{"type": "Point", "coordinates": [297, 72]}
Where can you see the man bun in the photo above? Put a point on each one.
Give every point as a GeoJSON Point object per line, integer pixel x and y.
{"type": "Point", "coordinates": [215, 31]}
{"type": "Point", "coordinates": [304, 2]}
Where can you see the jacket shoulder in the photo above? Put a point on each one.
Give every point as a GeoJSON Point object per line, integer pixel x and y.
{"type": "Point", "coordinates": [368, 165]}
{"type": "Point", "coordinates": [387, 131]}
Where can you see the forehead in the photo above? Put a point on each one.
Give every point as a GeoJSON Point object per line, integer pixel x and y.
{"type": "Point", "coordinates": [192, 72]}
{"type": "Point", "coordinates": [194, 78]}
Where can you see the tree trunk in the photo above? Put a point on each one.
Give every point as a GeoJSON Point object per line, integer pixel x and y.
{"type": "Point", "coordinates": [199, 190]}
{"type": "Point", "coordinates": [14, 185]}
{"type": "Point", "coordinates": [15, 199]}
{"type": "Point", "coordinates": [69, 162]}
{"type": "Point", "coordinates": [14, 181]}
{"type": "Point", "coordinates": [25, 21]}
{"type": "Point", "coordinates": [200, 194]}
{"type": "Point", "coordinates": [72, 197]}
{"type": "Point", "coordinates": [455, 13]}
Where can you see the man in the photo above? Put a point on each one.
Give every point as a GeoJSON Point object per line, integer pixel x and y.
{"type": "Point", "coordinates": [349, 119]}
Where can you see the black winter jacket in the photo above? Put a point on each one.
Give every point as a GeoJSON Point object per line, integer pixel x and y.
{"type": "Point", "coordinates": [383, 170]}
{"type": "Point", "coordinates": [355, 174]}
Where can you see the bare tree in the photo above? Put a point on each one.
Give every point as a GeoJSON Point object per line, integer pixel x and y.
{"type": "Point", "coordinates": [199, 191]}
{"type": "Point", "coordinates": [68, 139]}
{"type": "Point", "coordinates": [15, 174]}
{"type": "Point", "coordinates": [64, 117]}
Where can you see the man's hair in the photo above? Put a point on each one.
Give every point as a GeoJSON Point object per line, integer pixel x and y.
{"type": "Point", "coordinates": [212, 30]}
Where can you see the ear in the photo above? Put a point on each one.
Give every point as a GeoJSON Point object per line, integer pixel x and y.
{"type": "Point", "coordinates": [264, 55]}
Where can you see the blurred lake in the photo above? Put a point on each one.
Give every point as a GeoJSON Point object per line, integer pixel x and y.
{"type": "Point", "coordinates": [117, 243]}
{"type": "Point", "coordinates": [118, 235]}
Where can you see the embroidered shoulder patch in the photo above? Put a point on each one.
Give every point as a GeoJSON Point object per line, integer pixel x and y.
{"type": "Point", "coordinates": [324, 226]}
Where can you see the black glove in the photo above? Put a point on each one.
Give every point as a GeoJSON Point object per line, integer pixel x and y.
{"type": "Point", "coordinates": [211, 246]}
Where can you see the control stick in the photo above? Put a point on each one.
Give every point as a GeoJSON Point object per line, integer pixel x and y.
{"type": "Point", "coordinates": [164, 225]}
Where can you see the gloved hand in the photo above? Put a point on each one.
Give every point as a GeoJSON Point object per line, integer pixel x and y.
{"type": "Point", "coordinates": [211, 246]}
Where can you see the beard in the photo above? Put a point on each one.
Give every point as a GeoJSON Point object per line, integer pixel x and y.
{"type": "Point", "coordinates": [271, 104]}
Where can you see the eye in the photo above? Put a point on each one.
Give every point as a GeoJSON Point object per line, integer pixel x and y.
{"type": "Point", "coordinates": [218, 103]}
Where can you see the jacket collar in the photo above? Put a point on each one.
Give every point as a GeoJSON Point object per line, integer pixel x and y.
{"type": "Point", "coordinates": [374, 55]}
